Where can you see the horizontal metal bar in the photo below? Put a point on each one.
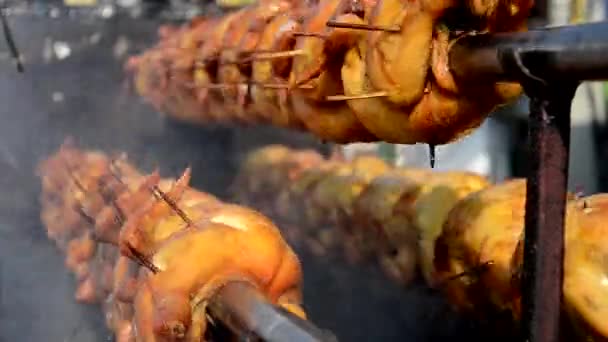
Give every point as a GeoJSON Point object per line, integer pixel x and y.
{"type": "Point", "coordinates": [577, 52]}
{"type": "Point", "coordinates": [245, 311]}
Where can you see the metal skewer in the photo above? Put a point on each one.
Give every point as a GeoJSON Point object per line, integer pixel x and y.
{"type": "Point", "coordinates": [550, 64]}
{"type": "Point", "coordinates": [245, 311]}
{"type": "Point", "coordinates": [8, 37]}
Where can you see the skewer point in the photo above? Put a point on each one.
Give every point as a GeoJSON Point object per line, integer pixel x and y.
{"type": "Point", "coordinates": [365, 27]}
{"type": "Point", "coordinates": [356, 97]}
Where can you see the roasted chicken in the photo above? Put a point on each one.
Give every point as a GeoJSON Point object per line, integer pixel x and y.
{"type": "Point", "coordinates": [462, 233]}
{"type": "Point", "coordinates": [362, 207]}
{"type": "Point", "coordinates": [478, 256]}
{"type": "Point", "coordinates": [154, 251]}
{"type": "Point", "coordinates": [344, 70]}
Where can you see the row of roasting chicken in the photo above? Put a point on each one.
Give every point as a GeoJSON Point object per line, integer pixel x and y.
{"type": "Point", "coordinates": [344, 70]}
{"type": "Point", "coordinates": [153, 251]}
{"type": "Point", "coordinates": [461, 233]}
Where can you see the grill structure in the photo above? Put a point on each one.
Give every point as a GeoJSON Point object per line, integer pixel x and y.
{"type": "Point", "coordinates": [550, 64]}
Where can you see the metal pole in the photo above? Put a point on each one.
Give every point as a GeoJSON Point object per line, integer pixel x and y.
{"type": "Point", "coordinates": [549, 63]}
{"type": "Point", "coordinates": [576, 53]}
{"type": "Point", "coordinates": [542, 281]}
{"type": "Point", "coordinates": [246, 312]}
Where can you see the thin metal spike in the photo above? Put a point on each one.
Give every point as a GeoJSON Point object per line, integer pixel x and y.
{"type": "Point", "coordinates": [280, 85]}
{"type": "Point", "coordinates": [115, 172]}
{"type": "Point", "coordinates": [219, 85]}
{"type": "Point", "coordinates": [8, 37]}
{"type": "Point", "coordinates": [236, 61]}
{"type": "Point", "coordinates": [474, 271]}
{"type": "Point", "coordinates": [272, 85]}
{"type": "Point", "coordinates": [106, 195]}
{"type": "Point", "coordinates": [366, 27]}
{"type": "Point", "coordinates": [78, 184]}
{"type": "Point", "coordinates": [142, 259]}
{"type": "Point", "coordinates": [310, 75]}
{"type": "Point", "coordinates": [432, 155]}
{"type": "Point", "coordinates": [356, 97]}
{"type": "Point", "coordinates": [246, 59]}
{"type": "Point", "coordinates": [117, 177]}
{"type": "Point", "coordinates": [203, 62]}
{"type": "Point", "coordinates": [310, 34]}
{"type": "Point", "coordinates": [72, 175]}
{"type": "Point", "coordinates": [80, 210]}
{"type": "Point", "coordinates": [109, 198]}
{"type": "Point", "coordinates": [275, 55]}
{"type": "Point", "coordinates": [579, 192]}
{"type": "Point", "coordinates": [120, 215]}
{"type": "Point", "coordinates": [94, 236]}
{"type": "Point", "coordinates": [259, 84]}
{"type": "Point", "coordinates": [161, 195]}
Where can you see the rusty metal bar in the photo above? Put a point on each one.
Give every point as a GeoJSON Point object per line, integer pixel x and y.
{"type": "Point", "coordinates": [542, 281]}
{"type": "Point", "coordinates": [549, 63]}
{"type": "Point", "coordinates": [247, 313]}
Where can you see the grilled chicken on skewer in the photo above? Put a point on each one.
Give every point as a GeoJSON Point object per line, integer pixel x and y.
{"type": "Point", "coordinates": [166, 250]}
{"type": "Point", "coordinates": [464, 234]}
{"type": "Point", "coordinates": [344, 70]}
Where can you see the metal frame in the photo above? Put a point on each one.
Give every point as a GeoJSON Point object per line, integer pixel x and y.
{"type": "Point", "coordinates": [550, 64]}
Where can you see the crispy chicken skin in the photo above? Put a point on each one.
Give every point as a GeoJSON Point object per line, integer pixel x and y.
{"type": "Point", "coordinates": [427, 209]}
{"type": "Point", "coordinates": [279, 62]}
{"type": "Point", "coordinates": [483, 229]}
{"type": "Point", "coordinates": [363, 207]}
{"type": "Point", "coordinates": [484, 233]}
{"type": "Point", "coordinates": [584, 269]}
{"type": "Point", "coordinates": [462, 233]}
{"type": "Point", "coordinates": [153, 251]}
{"type": "Point", "coordinates": [379, 231]}
{"type": "Point", "coordinates": [319, 67]}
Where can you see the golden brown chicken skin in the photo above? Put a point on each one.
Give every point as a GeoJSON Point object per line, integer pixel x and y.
{"type": "Point", "coordinates": [346, 71]}
{"type": "Point", "coordinates": [481, 245]}
{"type": "Point", "coordinates": [147, 272]}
